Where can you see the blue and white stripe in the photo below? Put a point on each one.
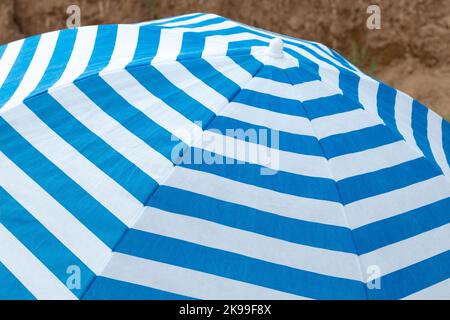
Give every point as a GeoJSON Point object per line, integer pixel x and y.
{"type": "Point", "coordinates": [87, 124]}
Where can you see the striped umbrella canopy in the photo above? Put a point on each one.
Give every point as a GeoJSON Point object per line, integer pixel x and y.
{"type": "Point", "coordinates": [197, 157]}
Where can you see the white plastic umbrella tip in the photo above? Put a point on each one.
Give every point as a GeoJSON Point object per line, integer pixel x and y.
{"type": "Point", "coordinates": [275, 49]}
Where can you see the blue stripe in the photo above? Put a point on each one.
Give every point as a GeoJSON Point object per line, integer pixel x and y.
{"type": "Point", "coordinates": [216, 80]}
{"type": "Point", "coordinates": [328, 106]}
{"type": "Point", "coordinates": [301, 144]}
{"type": "Point", "coordinates": [357, 141]}
{"type": "Point", "coordinates": [349, 83]}
{"type": "Point", "coordinates": [18, 70]}
{"type": "Point", "coordinates": [147, 45]}
{"type": "Point", "coordinates": [412, 279]}
{"type": "Point", "coordinates": [245, 46]}
{"type": "Point", "coordinates": [403, 226]}
{"type": "Point", "coordinates": [446, 139]}
{"type": "Point", "coordinates": [205, 34]}
{"type": "Point", "coordinates": [108, 289]}
{"type": "Point", "coordinates": [242, 59]}
{"type": "Point", "coordinates": [253, 220]}
{"type": "Point", "coordinates": [41, 243]}
{"type": "Point", "coordinates": [386, 180]}
{"type": "Point", "coordinates": [103, 49]}
{"type": "Point", "coordinates": [61, 55]}
{"type": "Point", "coordinates": [159, 86]}
{"type": "Point", "coordinates": [308, 70]}
{"type": "Point", "coordinates": [386, 105]}
{"type": "Point", "coordinates": [192, 47]}
{"type": "Point", "coordinates": [129, 117]}
{"type": "Point", "coordinates": [419, 125]}
{"type": "Point", "coordinates": [101, 154]}
{"type": "Point", "coordinates": [69, 194]}
{"type": "Point", "coordinates": [11, 288]}
{"type": "Point", "coordinates": [312, 187]}
{"type": "Point", "coordinates": [238, 267]}
{"type": "Point", "coordinates": [269, 102]}
{"type": "Point", "coordinates": [298, 76]}
{"type": "Point", "coordinates": [2, 50]}
{"type": "Point", "coordinates": [273, 73]}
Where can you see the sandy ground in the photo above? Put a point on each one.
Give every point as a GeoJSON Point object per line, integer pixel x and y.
{"type": "Point", "coordinates": [410, 52]}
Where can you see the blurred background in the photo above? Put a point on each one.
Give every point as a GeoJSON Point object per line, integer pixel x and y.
{"type": "Point", "coordinates": [411, 51]}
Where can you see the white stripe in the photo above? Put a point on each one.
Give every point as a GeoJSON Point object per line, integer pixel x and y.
{"type": "Point", "coordinates": [35, 71]}
{"type": "Point", "coordinates": [301, 92]}
{"type": "Point", "coordinates": [274, 88]}
{"type": "Point", "coordinates": [329, 52]}
{"type": "Point", "coordinates": [281, 204]}
{"type": "Point", "coordinates": [182, 78]}
{"type": "Point", "coordinates": [136, 95]}
{"type": "Point", "coordinates": [205, 233]}
{"type": "Point", "coordinates": [112, 132]}
{"type": "Point", "coordinates": [230, 69]}
{"type": "Point", "coordinates": [186, 282]}
{"type": "Point", "coordinates": [218, 45]}
{"type": "Point", "coordinates": [396, 202]}
{"type": "Point", "coordinates": [53, 216]}
{"type": "Point", "coordinates": [315, 90]}
{"type": "Point", "coordinates": [170, 43]}
{"type": "Point", "coordinates": [111, 195]}
{"type": "Point", "coordinates": [269, 119]}
{"type": "Point", "coordinates": [31, 272]}
{"type": "Point", "coordinates": [8, 59]}
{"type": "Point", "coordinates": [368, 93]}
{"type": "Point", "coordinates": [440, 291]}
{"type": "Point", "coordinates": [81, 54]}
{"type": "Point", "coordinates": [435, 137]}
{"type": "Point", "coordinates": [410, 251]}
{"type": "Point", "coordinates": [403, 119]}
{"type": "Point", "coordinates": [124, 49]}
{"type": "Point", "coordinates": [343, 123]}
{"type": "Point", "coordinates": [371, 160]}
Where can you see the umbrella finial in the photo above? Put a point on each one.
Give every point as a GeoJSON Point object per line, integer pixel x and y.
{"type": "Point", "coordinates": [275, 49]}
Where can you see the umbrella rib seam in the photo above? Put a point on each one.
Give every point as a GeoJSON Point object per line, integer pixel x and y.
{"type": "Point", "coordinates": [336, 185]}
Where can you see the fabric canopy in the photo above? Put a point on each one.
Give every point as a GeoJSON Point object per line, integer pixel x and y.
{"type": "Point", "coordinates": [197, 157]}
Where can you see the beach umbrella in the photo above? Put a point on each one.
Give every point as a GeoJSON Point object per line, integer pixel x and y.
{"type": "Point", "coordinates": [197, 157]}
